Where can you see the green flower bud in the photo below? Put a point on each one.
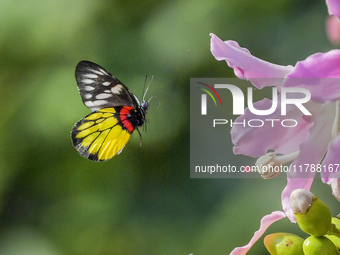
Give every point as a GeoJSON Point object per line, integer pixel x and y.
{"type": "Point", "coordinates": [283, 243]}
{"type": "Point", "coordinates": [333, 238]}
{"type": "Point", "coordinates": [314, 245]}
{"type": "Point", "coordinates": [312, 215]}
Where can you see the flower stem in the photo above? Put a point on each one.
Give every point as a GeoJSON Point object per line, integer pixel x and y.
{"type": "Point", "coordinates": [334, 231]}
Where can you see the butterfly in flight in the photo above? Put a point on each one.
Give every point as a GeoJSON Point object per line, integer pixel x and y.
{"type": "Point", "coordinates": [116, 113]}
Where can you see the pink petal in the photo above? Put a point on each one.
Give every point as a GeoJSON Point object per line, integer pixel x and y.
{"type": "Point", "coordinates": [244, 64]}
{"type": "Point", "coordinates": [333, 7]}
{"type": "Point", "coordinates": [333, 29]}
{"type": "Point", "coordinates": [312, 150]}
{"type": "Point", "coordinates": [332, 158]}
{"type": "Point", "coordinates": [335, 185]}
{"type": "Point", "coordinates": [256, 141]}
{"type": "Point", "coordinates": [266, 221]}
{"type": "Point", "coordinates": [318, 71]}
{"type": "Point", "coordinates": [331, 167]}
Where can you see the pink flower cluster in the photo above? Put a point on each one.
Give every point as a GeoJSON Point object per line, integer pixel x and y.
{"type": "Point", "coordinates": [316, 140]}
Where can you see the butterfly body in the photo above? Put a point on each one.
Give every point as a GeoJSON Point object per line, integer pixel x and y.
{"type": "Point", "coordinates": [116, 113]}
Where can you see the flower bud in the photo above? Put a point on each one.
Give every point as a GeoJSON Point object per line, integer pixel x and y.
{"type": "Point", "coordinates": [312, 215]}
{"type": "Point", "coordinates": [319, 245]}
{"type": "Point", "coordinates": [301, 200]}
{"type": "Point", "coordinates": [283, 243]}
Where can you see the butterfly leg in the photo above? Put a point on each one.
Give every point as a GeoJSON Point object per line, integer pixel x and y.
{"type": "Point", "coordinates": [140, 137]}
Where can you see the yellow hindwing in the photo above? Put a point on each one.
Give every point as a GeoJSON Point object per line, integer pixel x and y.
{"type": "Point", "coordinates": [99, 136]}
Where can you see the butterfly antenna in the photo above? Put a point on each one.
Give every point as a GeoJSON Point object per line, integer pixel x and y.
{"type": "Point", "coordinates": [146, 78]}
{"type": "Point", "coordinates": [159, 101]}
{"type": "Point", "coordinates": [147, 87]}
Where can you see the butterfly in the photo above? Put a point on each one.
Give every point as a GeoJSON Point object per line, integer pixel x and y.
{"type": "Point", "coordinates": [116, 113]}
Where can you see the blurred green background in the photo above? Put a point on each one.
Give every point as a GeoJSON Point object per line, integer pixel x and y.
{"type": "Point", "coordinates": [143, 201]}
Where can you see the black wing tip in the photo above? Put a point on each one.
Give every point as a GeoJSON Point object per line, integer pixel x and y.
{"type": "Point", "coordinates": [83, 65]}
{"type": "Point", "coordinates": [86, 62]}
{"type": "Point", "coordinates": [86, 66]}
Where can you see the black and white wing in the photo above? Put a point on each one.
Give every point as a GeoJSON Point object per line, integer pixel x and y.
{"type": "Point", "coordinates": [100, 89]}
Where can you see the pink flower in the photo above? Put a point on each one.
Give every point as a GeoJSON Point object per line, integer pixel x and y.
{"type": "Point", "coordinates": [314, 138]}
{"type": "Point", "coordinates": [333, 7]}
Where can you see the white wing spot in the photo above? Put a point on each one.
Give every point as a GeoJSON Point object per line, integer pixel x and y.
{"type": "Point", "coordinates": [89, 88]}
{"type": "Point", "coordinates": [88, 103]}
{"type": "Point", "coordinates": [107, 91]}
{"type": "Point", "coordinates": [95, 103]}
{"type": "Point", "coordinates": [103, 96]}
{"type": "Point", "coordinates": [87, 96]}
{"type": "Point", "coordinates": [102, 70]}
{"type": "Point", "coordinates": [88, 81]}
{"type": "Point", "coordinates": [107, 83]}
{"type": "Point", "coordinates": [90, 75]}
{"type": "Point", "coordinates": [116, 89]}
{"type": "Point", "coordinates": [99, 71]}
